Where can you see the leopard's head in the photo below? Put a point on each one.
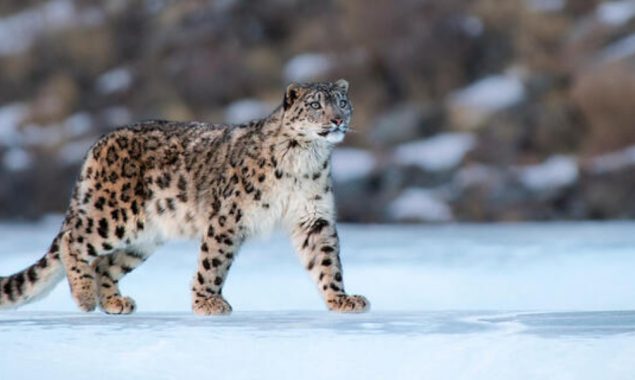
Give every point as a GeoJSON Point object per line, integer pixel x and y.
{"type": "Point", "coordinates": [318, 111]}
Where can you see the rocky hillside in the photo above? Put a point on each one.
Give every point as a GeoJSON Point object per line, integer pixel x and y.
{"type": "Point", "coordinates": [469, 110]}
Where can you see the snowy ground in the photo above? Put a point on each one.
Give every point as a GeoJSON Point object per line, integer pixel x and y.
{"type": "Point", "coordinates": [530, 301]}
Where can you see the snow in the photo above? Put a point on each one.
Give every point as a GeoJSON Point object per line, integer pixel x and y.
{"type": "Point", "coordinates": [615, 13]}
{"type": "Point", "coordinates": [472, 25]}
{"type": "Point", "coordinates": [614, 161]}
{"type": "Point", "coordinates": [32, 135]}
{"type": "Point", "coordinates": [473, 105]}
{"type": "Point", "coordinates": [306, 67]}
{"type": "Point", "coordinates": [312, 346]}
{"type": "Point", "coordinates": [490, 94]}
{"type": "Point", "coordinates": [517, 301]}
{"type": "Point", "coordinates": [20, 30]}
{"type": "Point", "coordinates": [419, 205]}
{"type": "Point", "coordinates": [17, 159]}
{"type": "Point", "coordinates": [351, 163]}
{"type": "Point", "coordinates": [555, 172]}
{"type": "Point", "coordinates": [11, 115]}
{"type": "Point", "coordinates": [619, 50]}
{"type": "Point", "coordinates": [113, 81]}
{"type": "Point", "coordinates": [245, 110]}
{"type": "Point", "coordinates": [42, 135]}
{"type": "Point", "coordinates": [78, 124]}
{"type": "Point", "coordinates": [441, 152]}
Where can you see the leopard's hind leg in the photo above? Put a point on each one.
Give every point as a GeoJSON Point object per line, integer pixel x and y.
{"type": "Point", "coordinates": [94, 264]}
{"type": "Point", "coordinates": [109, 270]}
{"type": "Point", "coordinates": [80, 274]}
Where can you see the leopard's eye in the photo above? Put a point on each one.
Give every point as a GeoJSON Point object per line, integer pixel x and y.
{"type": "Point", "coordinates": [315, 105]}
{"type": "Point", "coordinates": [343, 103]}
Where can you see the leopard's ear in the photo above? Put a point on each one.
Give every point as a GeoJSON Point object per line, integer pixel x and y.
{"type": "Point", "coordinates": [291, 95]}
{"type": "Point", "coordinates": [342, 84]}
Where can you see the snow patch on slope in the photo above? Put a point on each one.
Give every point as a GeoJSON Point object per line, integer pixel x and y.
{"type": "Point", "coordinates": [113, 81]}
{"type": "Point", "coordinates": [490, 94]}
{"type": "Point", "coordinates": [420, 205]}
{"type": "Point", "coordinates": [19, 31]}
{"type": "Point", "coordinates": [17, 159]}
{"type": "Point", "coordinates": [11, 115]}
{"type": "Point", "coordinates": [614, 161]}
{"type": "Point", "coordinates": [244, 110]}
{"type": "Point", "coordinates": [441, 152]}
{"type": "Point", "coordinates": [621, 49]}
{"type": "Point", "coordinates": [555, 172]}
{"type": "Point", "coordinates": [616, 12]}
{"type": "Point", "coordinates": [307, 66]}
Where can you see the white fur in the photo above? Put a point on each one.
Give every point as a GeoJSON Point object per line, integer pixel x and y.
{"type": "Point", "coordinates": [335, 137]}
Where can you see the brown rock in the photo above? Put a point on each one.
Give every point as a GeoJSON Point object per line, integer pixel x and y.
{"type": "Point", "coordinates": [605, 96]}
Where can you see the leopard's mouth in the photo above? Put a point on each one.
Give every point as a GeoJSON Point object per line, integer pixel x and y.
{"type": "Point", "coordinates": [335, 133]}
{"type": "Point", "coordinates": [334, 129]}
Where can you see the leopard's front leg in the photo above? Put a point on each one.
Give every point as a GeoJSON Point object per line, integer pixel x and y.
{"type": "Point", "coordinates": [218, 248]}
{"type": "Point", "coordinates": [317, 242]}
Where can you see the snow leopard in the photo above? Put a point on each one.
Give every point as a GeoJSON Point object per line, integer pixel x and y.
{"type": "Point", "coordinates": [149, 182]}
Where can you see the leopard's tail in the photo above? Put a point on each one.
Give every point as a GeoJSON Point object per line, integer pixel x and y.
{"type": "Point", "coordinates": [35, 281]}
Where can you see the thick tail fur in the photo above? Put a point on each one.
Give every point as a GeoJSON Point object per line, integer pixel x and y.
{"type": "Point", "coordinates": [35, 281]}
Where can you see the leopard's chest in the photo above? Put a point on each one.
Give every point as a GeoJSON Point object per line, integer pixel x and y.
{"type": "Point", "coordinates": [284, 198]}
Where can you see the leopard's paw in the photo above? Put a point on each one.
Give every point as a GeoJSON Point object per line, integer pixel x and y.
{"type": "Point", "coordinates": [84, 292]}
{"type": "Point", "coordinates": [117, 305]}
{"type": "Point", "coordinates": [213, 305]}
{"type": "Point", "coordinates": [348, 304]}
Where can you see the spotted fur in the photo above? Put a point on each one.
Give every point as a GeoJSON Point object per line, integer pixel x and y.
{"type": "Point", "coordinates": [150, 182]}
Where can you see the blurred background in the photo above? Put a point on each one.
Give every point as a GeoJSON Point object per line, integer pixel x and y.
{"type": "Point", "coordinates": [465, 110]}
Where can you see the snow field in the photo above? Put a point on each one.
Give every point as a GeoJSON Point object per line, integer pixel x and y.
{"type": "Point", "coordinates": [527, 301]}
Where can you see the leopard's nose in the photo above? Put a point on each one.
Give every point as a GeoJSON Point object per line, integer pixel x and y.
{"type": "Point", "coordinates": [337, 121]}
